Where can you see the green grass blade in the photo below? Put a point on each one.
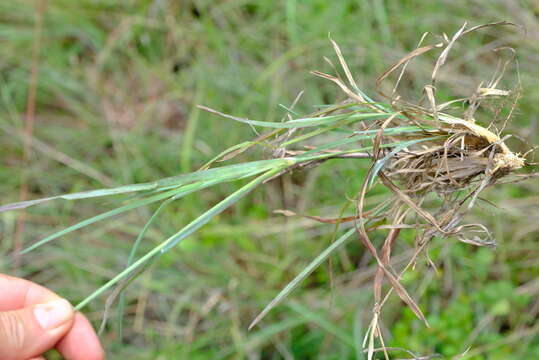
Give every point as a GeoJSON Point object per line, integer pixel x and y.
{"type": "Point", "coordinates": [363, 135]}
{"type": "Point", "coordinates": [101, 217]}
{"type": "Point", "coordinates": [237, 147]}
{"type": "Point", "coordinates": [229, 201]}
{"type": "Point", "coordinates": [225, 172]}
{"type": "Point", "coordinates": [189, 132]}
{"type": "Point", "coordinates": [82, 195]}
{"type": "Point", "coordinates": [372, 133]}
{"type": "Point", "coordinates": [131, 259]}
{"type": "Point", "coordinates": [303, 274]}
{"type": "Point", "coordinates": [289, 110]}
{"type": "Point", "coordinates": [235, 171]}
{"type": "Point", "coordinates": [303, 122]}
{"type": "Point", "coordinates": [304, 158]}
{"type": "Point", "coordinates": [319, 131]}
{"type": "Point", "coordinates": [175, 193]}
{"type": "Point", "coordinates": [187, 230]}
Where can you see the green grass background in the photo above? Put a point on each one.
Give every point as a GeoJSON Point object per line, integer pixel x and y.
{"type": "Point", "coordinates": [116, 95]}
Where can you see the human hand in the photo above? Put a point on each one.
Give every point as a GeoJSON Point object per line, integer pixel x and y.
{"type": "Point", "coordinates": [33, 320]}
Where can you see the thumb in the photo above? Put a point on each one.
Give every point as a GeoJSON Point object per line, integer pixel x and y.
{"type": "Point", "coordinates": [31, 331]}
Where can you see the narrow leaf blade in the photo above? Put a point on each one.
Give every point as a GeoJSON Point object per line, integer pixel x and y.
{"type": "Point", "coordinates": [302, 275]}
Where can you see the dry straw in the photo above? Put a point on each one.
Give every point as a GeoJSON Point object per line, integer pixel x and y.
{"type": "Point", "coordinates": [453, 157]}
{"type": "Point", "coordinates": [456, 155]}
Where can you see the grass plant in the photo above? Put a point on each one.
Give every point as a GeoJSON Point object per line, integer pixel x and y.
{"type": "Point", "coordinates": [415, 149]}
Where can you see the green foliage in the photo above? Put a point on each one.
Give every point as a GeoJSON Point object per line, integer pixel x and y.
{"type": "Point", "coordinates": [454, 318]}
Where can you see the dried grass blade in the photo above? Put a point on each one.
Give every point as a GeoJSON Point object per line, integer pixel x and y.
{"type": "Point", "coordinates": [498, 23]}
{"type": "Point", "coordinates": [321, 219]}
{"type": "Point", "coordinates": [343, 87]}
{"type": "Point", "coordinates": [424, 214]}
{"type": "Point", "coordinates": [403, 70]}
{"type": "Point", "coordinates": [344, 65]}
{"type": "Point", "coordinates": [364, 237]}
{"type": "Point", "coordinates": [380, 163]}
{"type": "Point", "coordinates": [403, 294]}
{"type": "Point", "coordinates": [443, 56]}
{"type": "Point", "coordinates": [405, 59]}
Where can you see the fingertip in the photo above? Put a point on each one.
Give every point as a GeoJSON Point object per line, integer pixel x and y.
{"type": "Point", "coordinates": [81, 342]}
{"type": "Point", "coordinates": [29, 332]}
{"type": "Point", "coordinates": [53, 314]}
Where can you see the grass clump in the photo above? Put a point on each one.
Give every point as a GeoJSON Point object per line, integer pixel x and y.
{"type": "Point", "coordinates": [416, 150]}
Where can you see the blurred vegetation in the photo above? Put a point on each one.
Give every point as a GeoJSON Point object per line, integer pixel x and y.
{"type": "Point", "coordinates": [117, 90]}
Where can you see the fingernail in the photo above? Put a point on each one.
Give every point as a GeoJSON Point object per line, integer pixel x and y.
{"type": "Point", "coordinates": [53, 314]}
